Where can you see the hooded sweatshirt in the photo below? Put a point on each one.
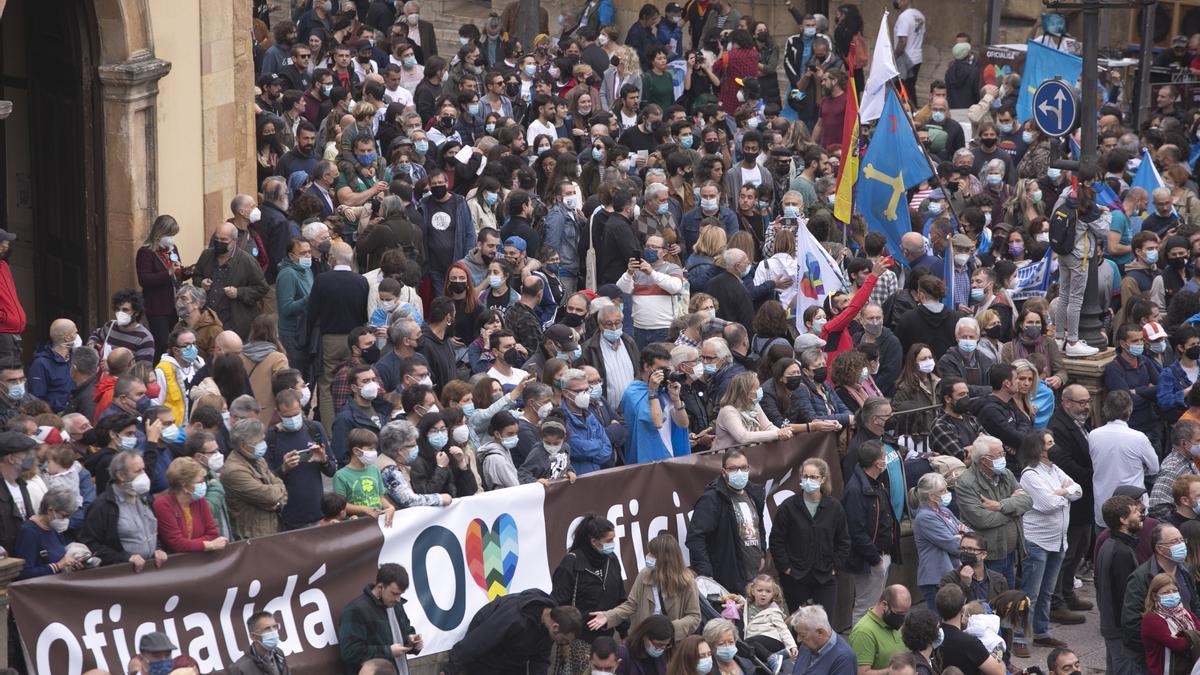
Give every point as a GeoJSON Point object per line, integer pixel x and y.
{"type": "Point", "coordinates": [496, 467]}
{"type": "Point", "coordinates": [924, 325]}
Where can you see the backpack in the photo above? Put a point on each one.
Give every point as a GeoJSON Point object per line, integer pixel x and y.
{"type": "Point", "coordinates": [1062, 230]}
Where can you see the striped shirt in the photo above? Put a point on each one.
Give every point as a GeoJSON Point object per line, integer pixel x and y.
{"type": "Point", "coordinates": [134, 337]}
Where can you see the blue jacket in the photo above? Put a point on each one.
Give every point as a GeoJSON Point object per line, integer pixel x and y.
{"type": "Point", "coordinates": [87, 494]}
{"type": "Point", "coordinates": [463, 224]}
{"type": "Point", "coordinates": [700, 268]}
{"type": "Point", "coordinates": [590, 447]}
{"type": "Point", "coordinates": [721, 379]}
{"type": "Point", "coordinates": [808, 401]}
{"type": "Point", "coordinates": [837, 657]}
{"type": "Point", "coordinates": [1043, 399]}
{"type": "Point", "coordinates": [1171, 383]}
{"type": "Point", "coordinates": [936, 537]}
{"type": "Point", "coordinates": [562, 235]}
{"type": "Point", "coordinates": [644, 444]}
{"type": "Point", "coordinates": [1140, 381]}
{"type": "Point", "coordinates": [690, 225]}
{"type": "Point", "coordinates": [930, 262]}
{"type": "Point", "coordinates": [50, 378]}
{"type": "Point", "coordinates": [351, 417]}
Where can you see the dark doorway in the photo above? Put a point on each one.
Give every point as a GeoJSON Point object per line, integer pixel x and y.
{"type": "Point", "coordinates": [69, 246]}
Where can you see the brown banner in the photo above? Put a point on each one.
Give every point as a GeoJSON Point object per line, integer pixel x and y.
{"type": "Point", "coordinates": [73, 622]}
{"type": "Point", "coordinates": [647, 499]}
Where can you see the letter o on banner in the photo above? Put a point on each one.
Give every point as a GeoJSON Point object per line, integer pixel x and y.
{"type": "Point", "coordinates": [431, 538]}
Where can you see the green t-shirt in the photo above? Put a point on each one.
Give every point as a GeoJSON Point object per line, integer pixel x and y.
{"type": "Point", "coordinates": [875, 643]}
{"type": "Point", "coordinates": [360, 487]}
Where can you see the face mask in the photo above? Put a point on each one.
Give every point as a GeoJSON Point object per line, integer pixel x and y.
{"type": "Point", "coordinates": [1192, 353]}
{"type": "Point", "coordinates": [810, 32]}
{"type": "Point", "coordinates": [1179, 552]}
{"type": "Point", "coordinates": [388, 305]}
{"type": "Point", "coordinates": [873, 328]}
{"type": "Point", "coordinates": [968, 558]}
{"type": "Point", "coordinates": [708, 205]}
{"type": "Point", "coordinates": [270, 639]}
{"type": "Point", "coordinates": [369, 391]}
{"type": "Point", "coordinates": [704, 665]}
{"type": "Point", "coordinates": [140, 485]}
{"type": "Point", "coordinates": [935, 208]}
{"type": "Point", "coordinates": [710, 369]}
{"type": "Point", "coordinates": [810, 486]}
{"type": "Point", "coordinates": [1027, 138]}
{"type": "Point", "coordinates": [961, 259]}
{"type": "Point", "coordinates": [1031, 332]}
{"type": "Point", "coordinates": [412, 454]}
{"type": "Point", "coordinates": [654, 652]}
{"type": "Point", "coordinates": [369, 456]}
{"type": "Point", "coordinates": [999, 464]}
{"type": "Point", "coordinates": [127, 442]}
{"type": "Point", "coordinates": [545, 409]}
{"type": "Point", "coordinates": [438, 439]}
{"type": "Point", "coordinates": [199, 490]}
{"type": "Point", "coordinates": [595, 392]}
{"type": "Point", "coordinates": [370, 355]}
{"type": "Point", "coordinates": [490, 128]}
{"type": "Point", "coordinates": [260, 449]}
{"type": "Point", "coordinates": [552, 448]}
{"type": "Point", "coordinates": [514, 358]}
{"type": "Point", "coordinates": [926, 366]}
{"type": "Point", "coordinates": [124, 319]}
{"type": "Point", "coordinates": [967, 346]}
{"type": "Point", "coordinates": [1042, 236]}
{"type": "Point", "coordinates": [293, 423]}
{"type": "Point", "coordinates": [939, 116]}
{"type": "Point", "coordinates": [421, 146]}
{"type": "Point", "coordinates": [602, 39]}
{"type": "Point", "coordinates": [495, 280]}
{"type": "Point", "coordinates": [726, 653]}
{"type": "Point", "coordinates": [367, 159]}
{"type": "Point", "coordinates": [992, 179]}
{"type": "Point", "coordinates": [940, 638]}
{"type": "Point", "coordinates": [612, 335]}
{"type": "Point", "coordinates": [946, 499]}
{"type": "Point", "coordinates": [738, 479]}
{"type": "Point", "coordinates": [711, 147]}
{"type": "Point", "coordinates": [60, 525]}
{"type": "Point", "coordinates": [328, 88]}
{"type": "Point", "coordinates": [1016, 249]}
{"type": "Point", "coordinates": [820, 374]}
{"type": "Point", "coordinates": [582, 400]}
{"type": "Point", "coordinates": [163, 667]}
{"type": "Point", "coordinates": [791, 212]}
{"type": "Point", "coordinates": [893, 620]}
{"type": "Point", "coordinates": [1006, 128]}
{"type": "Point", "coordinates": [1158, 347]}
{"type": "Point", "coordinates": [1152, 257]}
{"type": "Point", "coordinates": [509, 442]}
{"type": "Point", "coordinates": [977, 294]}
{"type": "Point", "coordinates": [1170, 600]}
{"type": "Point", "coordinates": [1052, 173]}
{"type": "Point", "coordinates": [171, 434]}
{"type": "Point", "coordinates": [1135, 350]}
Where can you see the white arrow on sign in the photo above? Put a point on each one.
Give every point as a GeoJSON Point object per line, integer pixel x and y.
{"type": "Point", "coordinates": [1045, 107]}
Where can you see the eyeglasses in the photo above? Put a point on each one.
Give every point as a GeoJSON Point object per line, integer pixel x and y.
{"type": "Point", "coordinates": [1086, 401]}
{"type": "Point", "coordinates": [612, 325]}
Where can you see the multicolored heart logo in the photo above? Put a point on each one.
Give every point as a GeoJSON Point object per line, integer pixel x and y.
{"type": "Point", "coordinates": [492, 554]}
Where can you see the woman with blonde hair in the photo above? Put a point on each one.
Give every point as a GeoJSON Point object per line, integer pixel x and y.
{"type": "Point", "coordinates": [1186, 201]}
{"type": "Point", "coordinates": [990, 329]}
{"type": "Point", "coordinates": [702, 265]}
{"type": "Point", "coordinates": [185, 520]}
{"type": "Point", "coordinates": [628, 70]}
{"type": "Point", "coordinates": [810, 539]}
{"type": "Point", "coordinates": [1022, 403]}
{"type": "Point", "coordinates": [1163, 624]}
{"type": "Point", "coordinates": [741, 419]}
{"type": "Point", "coordinates": [1025, 205]}
{"type": "Point", "coordinates": [665, 586]}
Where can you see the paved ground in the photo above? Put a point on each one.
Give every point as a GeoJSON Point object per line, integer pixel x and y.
{"type": "Point", "coordinates": [1084, 639]}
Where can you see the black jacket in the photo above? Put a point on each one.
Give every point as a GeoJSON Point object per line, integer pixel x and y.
{"type": "Point", "coordinates": [999, 419]}
{"type": "Point", "coordinates": [873, 531]}
{"type": "Point", "coordinates": [592, 356]}
{"type": "Point", "coordinates": [443, 366]}
{"type": "Point", "coordinates": [733, 300]}
{"type": "Point", "coordinates": [365, 631]}
{"type": "Point", "coordinates": [506, 637]}
{"type": "Point", "coordinates": [1115, 561]}
{"type": "Point", "coordinates": [424, 96]}
{"type": "Point", "coordinates": [619, 244]}
{"type": "Point", "coordinates": [83, 399]}
{"type": "Point", "coordinates": [100, 528]}
{"type": "Point", "coordinates": [922, 325]}
{"type": "Point", "coordinates": [891, 359]}
{"type": "Point", "coordinates": [954, 364]}
{"type": "Point", "coordinates": [591, 582]}
{"type": "Point", "coordinates": [778, 413]}
{"type": "Point", "coordinates": [1070, 453]}
{"type": "Point", "coordinates": [274, 228]}
{"type": "Point", "coordinates": [712, 539]}
{"type": "Point", "coordinates": [802, 544]}
{"type": "Point", "coordinates": [10, 516]}
{"type": "Point", "coordinates": [338, 302]}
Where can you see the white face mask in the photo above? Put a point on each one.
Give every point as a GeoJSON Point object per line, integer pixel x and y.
{"type": "Point", "coordinates": [305, 397]}
{"type": "Point", "coordinates": [124, 319]}
{"type": "Point", "coordinates": [369, 456]}
{"type": "Point", "coordinates": [216, 461]}
{"type": "Point", "coordinates": [461, 433]}
{"type": "Point", "coordinates": [141, 484]}
{"type": "Point", "coordinates": [255, 215]}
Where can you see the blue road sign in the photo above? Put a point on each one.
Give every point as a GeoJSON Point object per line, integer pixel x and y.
{"type": "Point", "coordinates": [1055, 108]}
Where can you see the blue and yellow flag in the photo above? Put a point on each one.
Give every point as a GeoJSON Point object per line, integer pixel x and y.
{"type": "Point", "coordinates": [894, 163]}
{"type": "Point", "coordinates": [1044, 63]}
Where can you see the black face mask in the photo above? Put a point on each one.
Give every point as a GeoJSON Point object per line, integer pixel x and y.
{"type": "Point", "coordinates": [219, 247]}
{"type": "Point", "coordinates": [711, 147]}
{"type": "Point", "coordinates": [963, 405]}
{"type": "Point", "coordinates": [512, 88]}
{"type": "Point", "coordinates": [364, 59]}
{"type": "Point", "coordinates": [968, 558]}
{"type": "Point", "coordinates": [820, 374]}
{"type": "Point", "coordinates": [1192, 353]}
{"type": "Point", "coordinates": [514, 358]}
{"type": "Point", "coordinates": [893, 620]}
{"type": "Point", "coordinates": [370, 355]}
{"type": "Point", "coordinates": [447, 122]}
{"type": "Point", "coordinates": [995, 332]}
{"type": "Point", "coordinates": [1177, 263]}
{"type": "Point", "coordinates": [438, 191]}
{"type": "Point", "coordinates": [793, 382]}
{"type": "Point", "coordinates": [456, 287]}
{"type": "Point", "coordinates": [575, 320]}
{"type": "Point", "coordinates": [987, 142]}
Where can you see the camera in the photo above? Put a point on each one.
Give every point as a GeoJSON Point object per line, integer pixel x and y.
{"type": "Point", "coordinates": [679, 378]}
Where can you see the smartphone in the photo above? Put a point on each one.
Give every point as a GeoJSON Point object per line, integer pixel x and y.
{"type": "Point", "coordinates": [304, 455]}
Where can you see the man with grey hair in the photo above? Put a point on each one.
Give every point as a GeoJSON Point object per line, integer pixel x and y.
{"type": "Point", "coordinates": [398, 448]}
{"type": "Point", "coordinates": [652, 284]}
{"type": "Point", "coordinates": [733, 299]}
{"type": "Point", "coordinates": [591, 448]}
{"type": "Point", "coordinates": [538, 405]}
{"type": "Point", "coordinates": [245, 214]}
{"type": "Point", "coordinates": [1125, 453]}
{"type": "Point", "coordinates": [274, 226]}
{"type": "Point", "coordinates": [719, 367]}
{"type": "Point", "coordinates": [971, 366]}
{"type": "Point", "coordinates": [1185, 435]}
{"type": "Point", "coordinates": [991, 502]}
{"type": "Point", "coordinates": [85, 370]}
{"type": "Point", "coordinates": [612, 352]}
{"type": "Point", "coordinates": [254, 494]}
{"type": "Point", "coordinates": [323, 176]}
{"type": "Point", "coordinates": [820, 644]}
{"type": "Point", "coordinates": [685, 360]}
{"type": "Point", "coordinates": [232, 278]}
{"type": "Point", "coordinates": [120, 527]}
{"type": "Point", "coordinates": [656, 215]}
{"type": "Point", "coordinates": [336, 305]}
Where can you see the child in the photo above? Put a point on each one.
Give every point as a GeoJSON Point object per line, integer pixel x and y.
{"type": "Point", "coordinates": [550, 459]}
{"type": "Point", "coordinates": [333, 508]}
{"type": "Point", "coordinates": [766, 622]}
{"type": "Point", "coordinates": [495, 457]}
{"type": "Point", "coordinates": [359, 482]}
{"type": "Point", "coordinates": [390, 307]}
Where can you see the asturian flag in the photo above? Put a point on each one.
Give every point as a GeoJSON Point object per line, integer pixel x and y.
{"type": "Point", "coordinates": [1033, 280]}
{"type": "Point", "coordinates": [818, 275]}
{"type": "Point", "coordinates": [1147, 176]}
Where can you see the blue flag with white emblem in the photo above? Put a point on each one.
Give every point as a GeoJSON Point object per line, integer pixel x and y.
{"type": "Point", "coordinates": [893, 164]}
{"type": "Point", "coordinates": [1044, 63]}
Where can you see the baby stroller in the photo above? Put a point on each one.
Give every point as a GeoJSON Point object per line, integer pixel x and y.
{"type": "Point", "coordinates": [711, 605]}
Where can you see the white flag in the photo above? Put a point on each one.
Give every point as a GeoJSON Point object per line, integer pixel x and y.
{"type": "Point", "coordinates": [818, 275]}
{"type": "Point", "coordinates": [883, 69]}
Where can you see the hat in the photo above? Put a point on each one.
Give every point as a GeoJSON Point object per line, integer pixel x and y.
{"type": "Point", "coordinates": [1131, 491]}
{"type": "Point", "coordinates": [610, 291]}
{"type": "Point", "coordinates": [270, 79]}
{"type": "Point", "coordinates": [49, 436]}
{"type": "Point", "coordinates": [562, 336]}
{"type": "Point", "coordinates": [12, 442]}
{"type": "Point", "coordinates": [516, 242]}
{"type": "Point", "coordinates": [1154, 332]}
{"type": "Point", "coordinates": [961, 50]}
{"type": "Point", "coordinates": [363, 44]}
{"type": "Point", "coordinates": [961, 240]}
{"type": "Point", "coordinates": [673, 8]}
{"type": "Point", "coordinates": [807, 340]}
{"type": "Point", "coordinates": [156, 642]}
{"type": "Point", "coordinates": [1179, 41]}
{"type": "Point", "coordinates": [5, 235]}
{"type": "Point", "coordinates": [936, 193]}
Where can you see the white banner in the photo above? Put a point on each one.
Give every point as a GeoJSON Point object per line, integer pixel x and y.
{"type": "Point", "coordinates": [461, 557]}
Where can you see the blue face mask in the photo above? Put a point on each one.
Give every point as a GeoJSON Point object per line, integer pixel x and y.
{"type": "Point", "coordinates": [710, 369]}
{"type": "Point", "coordinates": [810, 32]}
{"type": "Point", "coordinates": [758, 395]}
{"type": "Point", "coordinates": [293, 423]}
{"type": "Point", "coordinates": [935, 208]}
{"type": "Point", "coordinates": [654, 652]}
{"type": "Point", "coordinates": [597, 154]}
{"type": "Point", "coordinates": [327, 89]}
{"type": "Point", "coordinates": [1152, 256]}
{"type": "Point", "coordinates": [1179, 552]}
{"type": "Point", "coordinates": [413, 452]}
{"type": "Point", "coordinates": [999, 464]}
{"type": "Point", "coordinates": [421, 146]}
{"type": "Point", "coordinates": [791, 212]}
{"type": "Point", "coordinates": [490, 198]}
{"type": "Point", "coordinates": [270, 639]}
{"type": "Point", "coordinates": [994, 179]}
{"type": "Point", "coordinates": [509, 442]}
{"type": "Point", "coordinates": [16, 392]}
{"type": "Point", "coordinates": [608, 548]}
{"type": "Point", "coordinates": [976, 295]}
{"type": "Point", "coordinates": [495, 280]}
{"type": "Point", "coordinates": [162, 667]}
{"type": "Point", "coordinates": [128, 442]}
{"type": "Point", "coordinates": [260, 449]}
{"type": "Point", "coordinates": [663, 208]}
{"type": "Point", "coordinates": [650, 563]}
{"type": "Point", "coordinates": [685, 142]}
{"type": "Point", "coordinates": [199, 490]}
{"type": "Point", "coordinates": [1027, 138]}
{"type": "Point", "coordinates": [704, 665]}
{"type": "Point", "coordinates": [738, 479]}
{"type": "Point", "coordinates": [367, 159]}
{"type": "Point", "coordinates": [490, 128]}
{"type": "Point", "coordinates": [726, 653]}
{"type": "Point", "coordinates": [1136, 350]}
{"type": "Point", "coordinates": [1158, 347]}
{"type": "Point", "coordinates": [410, 61]}
{"type": "Point", "coordinates": [530, 69]}
{"type": "Point", "coordinates": [810, 486]}
{"type": "Point", "coordinates": [576, 353]}
{"type": "Point", "coordinates": [612, 335]}
{"type": "Point", "coordinates": [1006, 128]}
{"type": "Point", "coordinates": [650, 255]}
{"type": "Point", "coordinates": [468, 409]}
{"type": "Point", "coordinates": [596, 391]}
{"type": "Point", "coordinates": [967, 346]}
{"type": "Point", "coordinates": [438, 439]}
{"type": "Point", "coordinates": [1052, 173]}
{"type": "Point", "coordinates": [946, 499]}
{"type": "Point", "coordinates": [938, 116]}
{"type": "Point", "coordinates": [1170, 600]}
{"type": "Point", "coordinates": [473, 109]}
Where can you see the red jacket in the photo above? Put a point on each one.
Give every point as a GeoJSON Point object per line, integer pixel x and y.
{"type": "Point", "coordinates": [1156, 635]}
{"type": "Point", "coordinates": [103, 394]}
{"type": "Point", "coordinates": [839, 326]}
{"type": "Point", "coordinates": [171, 525]}
{"type": "Point", "coordinates": [12, 315]}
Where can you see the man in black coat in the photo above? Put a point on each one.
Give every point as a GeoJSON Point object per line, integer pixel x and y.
{"type": "Point", "coordinates": [733, 300]}
{"type": "Point", "coordinates": [336, 305]}
{"type": "Point", "coordinates": [16, 457]}
{"type": "Point", "coordinates": [513, 635]}
{"type": "Point", "coordinates": [995, 412]}
{"type": "Point", "coordinates": [726, 540]}
{"type": "Point", "coordinates": [274, 226]}
{"type": "Point", "coordinates": [619, 244]}
{"type": "Point", "coordinates": [435, 343]}
{"type": "Point", "coordinates": [1069, 426]}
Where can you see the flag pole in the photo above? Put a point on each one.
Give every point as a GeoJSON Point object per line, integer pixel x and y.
{"type": "Point", "coordinates": [929, 160]}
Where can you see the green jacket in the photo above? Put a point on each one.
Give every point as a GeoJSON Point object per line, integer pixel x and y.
{"type": "Point", "coordinates": [216, 501]}
{"type": "Point", "coordinates": [364, 632]}
{"type": "Point", "coordinates": [292, 288]}
{"type": "Point", "coordinates": [1001, 530]}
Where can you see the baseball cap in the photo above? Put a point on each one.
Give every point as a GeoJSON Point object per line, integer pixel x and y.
{"type": "Point", "coordinates": [269, 79]}
{"type": "Point", "coordinates": [562, 336]}
{"type": "Point", "coordinates": [516, 242]}
{"type": "Point", "coordinates": [807, 340]}
{"type": "Point", "coordinates": [1154, 331]}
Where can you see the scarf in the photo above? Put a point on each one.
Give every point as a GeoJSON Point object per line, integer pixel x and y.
{"type": "Point", "coordinates": [1178, 619]}
{"type": "Point", "coordinates": [750, 418]}
{"type": "Point", "coordinates": [1022, 349]}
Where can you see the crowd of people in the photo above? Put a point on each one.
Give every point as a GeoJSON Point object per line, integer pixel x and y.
{"type": "Point", "coordinates": [516, 264]}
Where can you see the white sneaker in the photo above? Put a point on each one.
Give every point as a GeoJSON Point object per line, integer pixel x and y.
{"type": "Point", "coordinates": [1077, 583]}
{"type": "Point", "coordinates": [1081, 348]}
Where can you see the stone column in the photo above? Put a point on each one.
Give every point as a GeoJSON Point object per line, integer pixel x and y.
{"type": "Point", "coordinates": [1089, 372]}
{"type": "Point", "coordinates": [9, 569]}
{"type": "Point", "coordinates": [227, 95]}
{"type": "Point", "coordinates": [129, 92]}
